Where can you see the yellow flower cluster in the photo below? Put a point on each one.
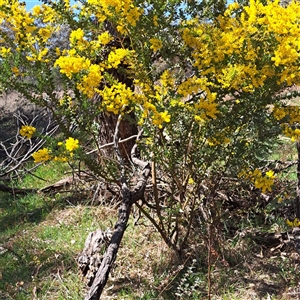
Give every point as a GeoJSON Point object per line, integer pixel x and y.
{"type": "Point", "coordinates": [292, 133]}
{"type": "Point", "coordinates": [123, 10]}
{"type": "Point", "coordinates": [267, 34]}
{"type": "Point", "coordinates": [27, 131]}
{"type": "Point", "coordinates": [26, 33]}
{"type": "Point", "coordinates": [294, 223]}
{"type": "Point", "coordinates": [4, 52]}
{"type": "Point", "coordinates": [117, 56]}
{"type": "Point", "coordinates": [152, 100]}
{"type": "Point", "coordinates": [206, 108]}
{"type": "Point", "coordinates": [104, 38]}
{"type": "Point", "coordinates": [77, 40]}
{"type": "Point", "coordinates": [66, 150]}
{"type": "Point", "coordinates": [167, 79]}
{"type": "Point", "coordinates": [90, 82]}
{"type": "Point", "coordinates": [116, 98]}
{"type": "Point", "coordinates": [45, 12]}
{"type": "Point", "coordinates": [160, 118]}
{"type": "Point", "coordinates": [260, 180]}
{"type": "Point", "coordinates": [16, 71]}
{"type": "Point", "coordinates": [156, 44]}
{"type": "Point", "coordinates": [46, 154]}
{"type": "Point", "coordinates": [70, 65]}
{"type": "Point", "coordinates": [72, 144]}
{"type": "Point", "coordinates": [42, 155]}
{"type": "Point", "coordinates": [218, 140]}
{"type": "Point", "coordinates": [289, 118]}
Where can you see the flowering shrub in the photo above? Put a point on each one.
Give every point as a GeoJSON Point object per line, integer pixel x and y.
{"type": "Point", "coordinates": [205, 91]}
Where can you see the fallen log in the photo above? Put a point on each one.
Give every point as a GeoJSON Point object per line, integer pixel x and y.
{"type": "Point", "coordinates": [15, 191]}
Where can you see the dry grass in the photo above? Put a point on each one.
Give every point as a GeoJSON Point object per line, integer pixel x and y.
{"type": "Point", "coordinates": [145, 267]}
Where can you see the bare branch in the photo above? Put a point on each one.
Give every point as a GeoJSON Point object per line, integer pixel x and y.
{"type": "Point", "coordinates": [18, 149]}
{"type": "Point", "coordinates": [113, 143]}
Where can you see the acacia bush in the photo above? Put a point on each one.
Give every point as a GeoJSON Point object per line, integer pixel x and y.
{"type": "Point", "coordinates": [204, 91]}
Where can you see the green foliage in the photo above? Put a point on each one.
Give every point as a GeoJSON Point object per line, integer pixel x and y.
{"type": "Point", "coordinates": [206, 80]}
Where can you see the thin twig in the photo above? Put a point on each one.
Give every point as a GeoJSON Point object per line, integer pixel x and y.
{"type": "Point", "coordinates": [113, 143]}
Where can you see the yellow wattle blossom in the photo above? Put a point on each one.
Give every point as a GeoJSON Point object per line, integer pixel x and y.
{"type": "Point", "coordinates": [263, 182]}
{"type": "Point", "coordinates": [44, 34]}
{"type": "Point", "coordinates": [270, 174]}
{"type": "Point", "coordinates": [292, 133]}
{"type": "Point", "coordinates": [155, 20]}
{"type": "Point", "coordinates": [208, 108]}
{"type": "Point", "coordinates": [72, 144]}
{"type": "Point", "coordinates": [219, 139]}
{"type": "Point", "coordinates": [294, 223]}
{"type": "Point", "coordinates": [260, 180]}
{"type": "Point", "coordinates": [167, 79]}
{"type": "Point", "coordinates": [43, 53]}
{"type": "Point", "coordinates": [124, 10]}
{"type": "Point", "coordinates": [116, 97]}
{"type": "Point", "coordinates": [76, 36]}
{"type": "Point", "coordinates": [16, 71]}
{"type": "Point", "coordinates": [27, 131]}
{"type": "Point", "coordinates": [70, 65]}
{"type": "Point", "coordinates": [42, 155]}
{"type": "Point", "coordinates": [227, 52]}
{"type": "Point", "coordinates": [117, 56]}
{"type": "Point", "coordinates": [231, 7]}
{"type": "Point", "coordinates": [133, 15]}
{"type": "Point", "coordinates": [159, 118]}
{"type": "Point", "coordinates": [191, 181]}
{"type": "Point", "coordinates": [279, 113]}
{"type": "Point", "coordinates": [104, 38]}
{"type": "Point", "coordinates": [156, 44]}
{"type": "Point", "coordinates": [61, 158]}
{"type": "Point", "coordinates": [90, 82]}
{"type": "Point", "coordinates": [37, 10]}
{"type": "Point", "coordinates": [4, 51]}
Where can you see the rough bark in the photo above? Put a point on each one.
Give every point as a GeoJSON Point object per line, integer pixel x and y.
{"type": "Point", "coordinates": [90, 258]}
{"type": "Point", "coordinates": [111, 253]}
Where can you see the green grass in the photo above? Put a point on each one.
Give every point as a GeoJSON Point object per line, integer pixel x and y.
{"type": "Point", "coordinates": [41, 236]}
{"type": "Point", "coordinates": [285, 151]}
{"type": "Point", "coordinates": [45, 174]}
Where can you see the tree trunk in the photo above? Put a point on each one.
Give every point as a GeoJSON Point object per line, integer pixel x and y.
{"type": "Point", "coordinates": [128, 126]}
{"type": "Point", "coordinates": [127, 129]}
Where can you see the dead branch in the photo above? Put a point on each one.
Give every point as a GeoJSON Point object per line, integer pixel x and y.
{"type": "Point", "coordinates": [15, 191]}
{"type": "Point", "coordinates": [129, 197]}
{"type": "Point", "coordinates": [18, 149]}
{"type": "Point", "coordinates": [90, 258]}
